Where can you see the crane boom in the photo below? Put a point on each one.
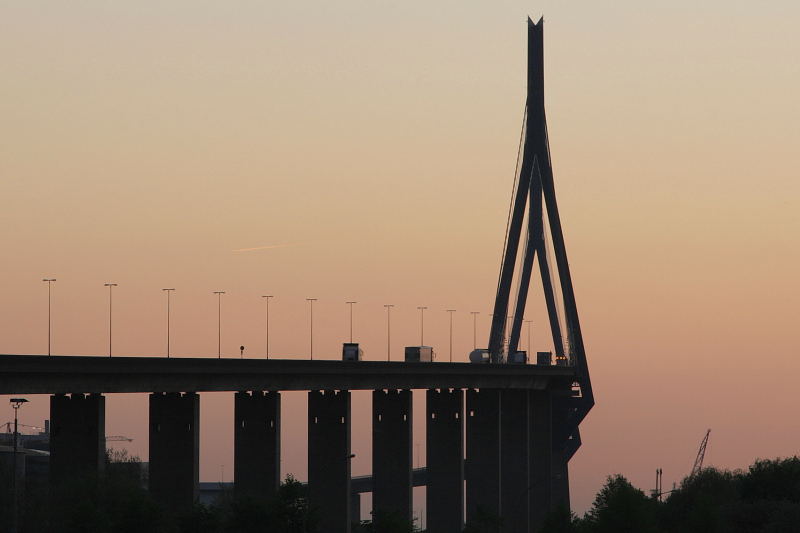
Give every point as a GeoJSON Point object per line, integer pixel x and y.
{"type": "Point", "coordinates": [118, 438]}
{"type": "Point", "coordinates": [698, 462]}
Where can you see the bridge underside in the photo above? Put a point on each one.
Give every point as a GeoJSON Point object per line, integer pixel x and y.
{"type": "Point", "coordinates": [37, 374]}
{"type": "Point", "coordinates": [489, 430]}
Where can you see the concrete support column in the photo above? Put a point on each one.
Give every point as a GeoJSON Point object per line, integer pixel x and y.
{"type": "Point", "coordinates": [257, 444]}
{"type": "Point", "coordinates": [514, 459]}
{"type": "Point", "coordinates": [482, 466]}
{"type": "Point", "coordinates": [392, 452]}
{"type": "Point", "coordinates": [329, 459]}
{"type": "Point", "coordinates": [77, 436]}
{"type": "Point", "coordinates": [355, 507]}
{"type": "Point", "coordinates": [560, 496]}
{"type": "Point", "coordinates": [445, 461]}
{"type": "Point", "coordinates": [541, 474]}
{"type": "Point", "coordinates": [174, 449]}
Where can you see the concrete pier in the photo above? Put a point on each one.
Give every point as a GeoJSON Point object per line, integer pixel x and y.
{"type": "Point", "coordinates": [257, 444]}
{"type": "Point", "coordinates": [493, 459]}
{"type": "Point", "coordinates": [514, 459]}
{"type": "Point", "coordinates": [329, 458]}
{"type": "Point", "coordinates": [541, 476]}
{"type": "Point", "coordinates": [445, 460]}
{"type": "Point", "coordinates": [392, 452]}
{"type": "Point", "coordinates": [482, 467]}
{"type": "Point", "coordinates": [560, 467]}
{"type": "Point", "coordinates": [77, 436]}
{"type": "Point", "coordinates": [174, 448]}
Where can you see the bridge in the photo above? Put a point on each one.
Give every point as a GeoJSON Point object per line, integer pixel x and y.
{"type": "Point", "coordinates": [499, 432]}
{"type": "Point", "coordinates": [36, 374]}
{"type": "Point", "coordinates": [489, 429]}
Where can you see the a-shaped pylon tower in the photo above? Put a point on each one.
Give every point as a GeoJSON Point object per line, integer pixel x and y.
{"type": "Point", "coordinates": [534, 195]}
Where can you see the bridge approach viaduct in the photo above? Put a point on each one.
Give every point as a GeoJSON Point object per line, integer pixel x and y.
{"type": "Point", "coordinates": [489, 429]}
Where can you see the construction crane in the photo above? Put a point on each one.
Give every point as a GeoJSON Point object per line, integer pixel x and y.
{"type": "Point", "coordinates": [657, 493]}
{"type": "Point", "coordinates": [698, 462]}
{"type": "Point", "coordinates": [118, 438]}
{"type": "Point", "coordinates": [534, 194]}
{"type": "Point", "coordinates": [9, 424]}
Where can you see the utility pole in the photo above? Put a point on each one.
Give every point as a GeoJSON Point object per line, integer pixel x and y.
{"type": "Point", "coordinates": [529, 338]}
{"type": "Point", "coordinates": [474, 328]}
{"type": "Point", "coordinates": [219, 323]}
{"type": "Point", "coordinates": [110, 286]}
{"type": "Point", "coordinates": [311, 301]}
{"type": "Point", "coordinates": [389, 331]}
{"type": "Point", "coordinates": [168, 291]}
{"type": "Point", "coordinates": [451, 311]}
{"type": "Point", "coordinates": [15, 403]}
{"type": "Point", "coordinates": [351, 319]}
{"type": "Point", "coordinates": [49, 283]}
{"type": "Point", "coordinates": [422, 325]}
{"type": "Point", "coordinates": [266, 299]}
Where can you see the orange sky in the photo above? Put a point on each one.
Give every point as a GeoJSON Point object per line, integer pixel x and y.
{"type": "Point", "coordinates": [366, 152]}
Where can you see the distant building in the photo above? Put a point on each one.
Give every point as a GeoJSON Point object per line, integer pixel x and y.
{"type": "Point", "coordinates": [38, 441]}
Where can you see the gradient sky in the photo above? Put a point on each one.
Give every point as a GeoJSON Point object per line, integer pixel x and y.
{"type": "Point", "coordinates": [365, 151]}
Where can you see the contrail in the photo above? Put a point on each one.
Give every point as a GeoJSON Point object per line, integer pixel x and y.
{"type": "Point", "coordinates": [267, 247]}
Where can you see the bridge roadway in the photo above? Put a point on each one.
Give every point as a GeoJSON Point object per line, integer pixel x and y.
{"type": "Point", "coordinates": [489, 430]}
{"type": "Point", "coordinates": [41, 374]}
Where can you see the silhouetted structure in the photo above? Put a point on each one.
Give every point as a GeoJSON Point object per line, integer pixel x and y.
{"type": "Point", "coordinates": [511, 444]}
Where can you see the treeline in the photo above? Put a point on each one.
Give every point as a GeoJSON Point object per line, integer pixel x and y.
{"type": "Point", "coordinates": [119, 504]}
{"type": "Point", "coordinates": [765, 499]}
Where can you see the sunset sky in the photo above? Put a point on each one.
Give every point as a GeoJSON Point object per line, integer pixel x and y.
{"type": "Point", "coordinates": [365, 151]}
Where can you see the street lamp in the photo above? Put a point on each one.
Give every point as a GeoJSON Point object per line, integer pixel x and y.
{"type": "Point", "coordinates": [422, 325]}
{"type": "Point", "coordinates": [474, 328]}
{"type": "Point", "coordinates": [168, 291]}
{"type": "Point", "coordinates": [109, 285]}
{"type": "Point", "coordinates": [389, 331]}
{"type": "Point", "coordinates": [311, 301]}
{"type": "Point", "coordinates": [15, 403]}
{"type": "Point", "coordinates": [529, 337]}
{"type": "Point", "coordinates": [351, 319]}
{"type": "Point", "coordinates": [49, 283]}
{"type": "Point", "coordinates": [219, 323]}
{"type": "Point", "coordinates": [266, 299]}
{"type": "Point", "coordinates": [451, 311]}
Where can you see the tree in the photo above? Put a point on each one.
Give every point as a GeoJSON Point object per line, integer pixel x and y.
{"type": "Point", "coordinates": [703, 502]}
{"type": "Point", "coordinates": [291, 507]}
{"type": "Point", "coordinates": [561, 520]}
{"type": "Point", "coordinates": [387, 522]}
{"type": "Point", "coordinates": [621, 508]}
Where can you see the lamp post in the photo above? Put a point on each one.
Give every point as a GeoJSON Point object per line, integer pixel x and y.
{"type": "Point", "coordinates": [49, 283]}
{"type": "Point", "coordinates": [451, 311]}
{"type": "Point", "coordinates": [422, 325]}
{"type": "Point", "coordinates": [219, 323]}
{"type": "Point", "coordinates": [168, 291]}
{"type": "Point", "coordinates": [311, 302]}
{"type": "Point", "coordinates": [351, 319]}
{"type": "Point", "coordinates": [389, 331]}
{"type": "Point", "coordinates": [529, 337]}
{"type": "Point", "coordinates": [15, 403]}
{"type": "Point", "coordinates": [266, 299]}
{"type": "Point", "coordinates": [474, 328]}
{"type": "Point", "coordinates": [110, 286]}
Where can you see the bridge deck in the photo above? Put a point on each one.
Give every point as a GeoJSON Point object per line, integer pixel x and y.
{"type": "Point", "coordinates": [37, 374]}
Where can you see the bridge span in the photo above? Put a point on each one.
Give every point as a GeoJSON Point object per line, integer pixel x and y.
{"type": "Point", "coordinates": [491, 430]}
{"type": "Point", "coordinates": [37, 374]}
